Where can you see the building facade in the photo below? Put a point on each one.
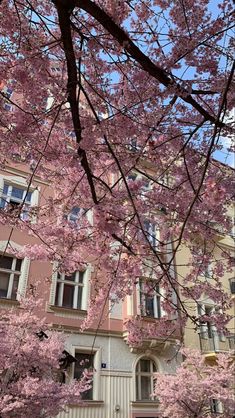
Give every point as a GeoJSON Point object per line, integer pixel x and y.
{"type": "Point", "coordinates": [124, 374]}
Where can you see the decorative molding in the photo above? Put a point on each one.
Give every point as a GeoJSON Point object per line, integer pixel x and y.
{"type": "Point", "coordinates": [87, 403]}
{"type": "Point", "coordinates": [8, 303]}
{"type": "Point", "coordinates": [4, 245]}
{"type": "Point", "coordinates": [66, 312]}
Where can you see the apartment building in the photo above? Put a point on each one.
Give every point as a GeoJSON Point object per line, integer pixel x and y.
{"type": "Point", "coordinates": [123, 379]}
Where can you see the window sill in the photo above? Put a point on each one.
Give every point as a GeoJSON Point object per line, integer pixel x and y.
{"type": "Point", "coordinates": [150, 318]}
{"type": "Point", "coordinates": [11, 302]}
{"type": "Point", "coordinates": [87, 403]}
{"type": "Point", "coordinates": [67, 311]}
{"type": "Point", "coordinates": [145, 404]}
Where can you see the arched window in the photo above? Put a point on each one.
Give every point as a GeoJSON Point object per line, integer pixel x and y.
{"type": "Point", "coordinates": [145, 369]}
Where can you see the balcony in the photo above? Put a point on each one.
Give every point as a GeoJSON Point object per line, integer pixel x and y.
{"type": "Point", "coordinates": [213, 342]}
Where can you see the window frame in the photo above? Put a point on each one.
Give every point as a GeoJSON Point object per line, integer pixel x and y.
{"type": "Point", "coordinates": [157, 308]}
{"type": "Point", "coordinates": [12, 274]}
{"type": "Point", "coordinates": [24, 271]}
{"type": "Point", "coordinates": [90, 392]}
{"type": "Point", "coordinates": [96, 386]}
{"type": "Point", "coordinates": [139, 373]}
{"type": "Point", "coordinates": [61, 282]}
{"type": "Point", "coordinates": [85, 292]}
{"type": "Point", "coordinates": [19, 183]}
{"type": "Point", "coordinates": [207, 330]}
{"type": "Point", "coordinates": [152, 233]}
{"type": "Point", "coordinates": [232, 285]}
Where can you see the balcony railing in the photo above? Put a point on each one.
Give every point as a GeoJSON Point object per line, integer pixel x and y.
{"type": "Point", "coordinates": [216, 342]}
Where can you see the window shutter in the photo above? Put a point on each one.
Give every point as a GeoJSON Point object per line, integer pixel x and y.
{"type": "Point", "coordinates": [53, 285]}
{"type": "Point", "coordinates": [86, 288]}
{"type": "Point", "coordinates": [23, 278]}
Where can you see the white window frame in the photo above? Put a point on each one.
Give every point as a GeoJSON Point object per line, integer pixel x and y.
{"type": "Point", "coordinates": [97, 364]}
{"type": "Point", "coordinates": [152, 233]}
{"type": "Point", "coordinates": [139, 374]}
{"type": "Point", "coordinates": [204, 330]}
{"type": "Point", "coordinates": [216, 406]}
{"type": "Point", "coordinates": [20, 183]}
{"type": "Point", "coordinates": [85, 292]}
{"type": "Point", "coordinates": [157, 299]}
{"type": "Point", "coordinates": [73, 219]}
{"type": "Point", "coordinates": [5, 247]}
{"type": "Point", "coordinates": [12, 274]}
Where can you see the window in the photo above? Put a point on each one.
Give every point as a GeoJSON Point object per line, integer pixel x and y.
{"type": "Point", "coordinates": [8, 92]}
{"type": "Point", "coordinates": [207, 328]}
{"type": "Point", "coordinates": [10, 271]}
{"type": "Point", "coordinates": [232, 286]}
{"type": "Point", "coordinates": [73, 216]}
{"type": "Point", "coordinates": [133, 145]}
{"type": "Point", "coordinates": [70, 290]}
{"type": "Point", "coordinates": [13, 196]}
{"type": "Point", "coordinates": [216, 406]}
{"type": "Point", "coordinates": [84, 361]}
{"type": "Point", "coordinates": [7, 107]}
{"type": "Point", "coordinates": [145, 369]}
{"type": "Point", "coordinates": [150, 299]}
{"type": "Point", "coordinates": [151, 233]}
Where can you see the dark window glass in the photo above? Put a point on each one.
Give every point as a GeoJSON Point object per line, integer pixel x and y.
{"type": "Point", "coordinates": [232, 286]}
{"type": "Point", "coordinates": [81, 277]}
{"type": "Point", "coordinates": [70, 277]}
{"type": "Point", "coordinates": [149, 306]}
{"type": "Point", "coordinates": [17, 193]}
{"type": "Point", "coordinates": [18, 264]}
{"type": "Point", "coordinates": [4, 281]}
{"type": "Point", "coordinates": [84, 361]}
{"type": "Point", "coordinates": [6, 262]}
{"type": "Point", "coordinates": [68, 296]}
{"type": "Point", "coordinates": [145, 387]}
{"type": "Point", "coordinates": [15, 287]}
{"type": "Point", "coordinates": [5, 188]}
{"type": "Point", "coordinates": [144, 365]}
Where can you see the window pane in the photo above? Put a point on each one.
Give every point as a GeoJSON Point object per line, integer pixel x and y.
{"type": "Point", "coordinates": [28, 197]}
{"type": "Point", "coordinates": [84, 361]}
{"type": "Point", "coordinates": [6, 262]}
{"type": "Point", "coordinates": [74, 214]}
{"type": "Point", "coordinates": [145, 387]}
{"type": "Point", "coordinates": [145, 365]}
{"type": "Point", "coordinates": [15, 287]}
{"type": "Point", "coordinates": [16, 192]}
{"type": "Point", "coordinates": [5, 188]}
{"type": "Point", "coordinates": [18, 264]}
{"type": "Point", "coordinates": [81, 276]}
{"type": "Point", "coordinates": [4, 280]}
{"type": "Point", "coordinates": [57, 294]}
{"type": "Point", "coordinates": [149, 306]}
{"type": "Point", "coordinates": [68, 296]}
{"type": "Point", "coordinates": [232, 286]}
{"type": "Point", "coordinates": [88, 394]}
{"type": "Point", "coordinates": [79, 300]}
{"type": "Point", "coordinates": [75, 211]}
{"type": "Point", "coordinates": [70, 277]}
{"type": "Point", "coordinates": [2, 203]}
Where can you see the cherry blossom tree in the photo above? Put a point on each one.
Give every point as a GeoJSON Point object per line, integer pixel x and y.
{"type": "Point", "coordinates": [30, 359]}
{"type": "Point", "coordinates": [198, 389]}
{"type": "Point", "coordinates": [120, 107]}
